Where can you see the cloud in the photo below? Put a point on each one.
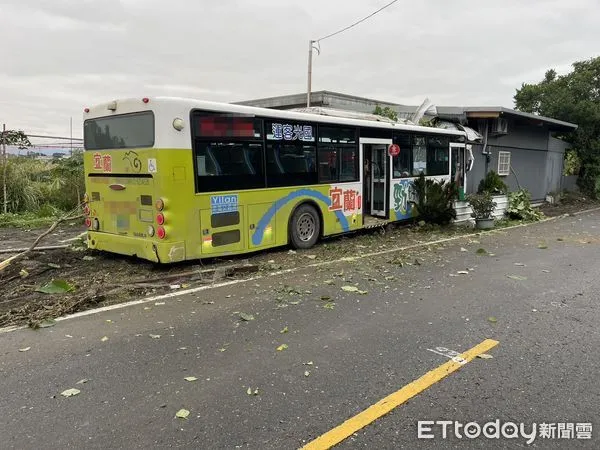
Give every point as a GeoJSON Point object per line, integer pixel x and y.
{"type": "Point", "coordinates": [64, 55]}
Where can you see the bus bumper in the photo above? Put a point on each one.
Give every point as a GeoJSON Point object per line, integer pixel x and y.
{"type": "Point", "coordinates": [161, 252]}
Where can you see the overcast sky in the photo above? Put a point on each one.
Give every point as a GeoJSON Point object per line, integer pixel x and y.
{"type": "Point", "coordinates": [59, 56]}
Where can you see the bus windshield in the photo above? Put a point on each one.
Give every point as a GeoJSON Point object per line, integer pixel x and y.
{"type": "Point", "coordinates": [123, 131]}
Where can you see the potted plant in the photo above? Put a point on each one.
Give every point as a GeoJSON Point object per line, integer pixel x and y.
{"type": "Point", "coordinates": [483, 206]}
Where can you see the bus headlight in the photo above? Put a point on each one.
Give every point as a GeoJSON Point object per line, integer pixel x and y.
{"type": "Point", "coordinates": [95, 224]}
{"type": "Point", "coordinates": [150, 230]}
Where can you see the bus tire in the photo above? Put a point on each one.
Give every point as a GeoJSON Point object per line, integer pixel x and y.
{"type": "Point", "coordinates": [305, 227]}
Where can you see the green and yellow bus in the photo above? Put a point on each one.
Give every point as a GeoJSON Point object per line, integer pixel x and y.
{"type": "Point", "coordinates": [171, 179]}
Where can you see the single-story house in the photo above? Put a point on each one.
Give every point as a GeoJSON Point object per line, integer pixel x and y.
{"type": "Point", "coordinates": [520, 147]}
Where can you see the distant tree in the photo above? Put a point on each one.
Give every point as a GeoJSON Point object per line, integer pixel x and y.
{"type": "Point", "coordinates": [574, 97]}
{"type": "Point", "coordinates": [14, 138]}
{"type": "Point", "coordinates": [386, 112]}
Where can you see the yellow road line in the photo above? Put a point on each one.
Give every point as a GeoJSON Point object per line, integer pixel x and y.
{"type": "Point", "coordinates": [384, 406]}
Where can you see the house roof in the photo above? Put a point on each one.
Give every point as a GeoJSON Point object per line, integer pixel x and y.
{"type": "Point", "coordinates": [492, 112]}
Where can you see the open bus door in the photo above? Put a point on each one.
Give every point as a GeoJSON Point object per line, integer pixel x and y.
{"type": "Point", "coordinates": [375, 176]}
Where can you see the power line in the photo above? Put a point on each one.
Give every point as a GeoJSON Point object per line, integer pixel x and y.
{"type": "Point", "coordinates": [356, 23]}
{"type": "Point", "coordinates": [54, 137]}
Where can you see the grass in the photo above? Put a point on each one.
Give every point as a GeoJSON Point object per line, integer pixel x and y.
{"type": "Point", "coordinates": [25, 220]}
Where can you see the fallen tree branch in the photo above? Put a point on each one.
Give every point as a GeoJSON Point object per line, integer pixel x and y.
{"type": "Point", "coordinates": [37, 249]}
{"type": "Point", "coordinates": [4, 264]}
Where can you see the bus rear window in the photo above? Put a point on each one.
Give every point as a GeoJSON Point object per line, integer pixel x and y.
{"type": "Point", "coordinates": [124, 131]}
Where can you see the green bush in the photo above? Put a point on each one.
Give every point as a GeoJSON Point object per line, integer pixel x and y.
{"type": "Point", "coordinates": [492, 183]}
{"type": "Point", "coordinates": [589, 177]}
{"type": "Point", "coordinates": [519, 206]}
{"type": "Point", "coordinates": [435, 202]}
{"type": "Point", "coordinates": [483, 205]}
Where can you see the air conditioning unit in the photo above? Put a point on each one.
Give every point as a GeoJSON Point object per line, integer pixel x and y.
{"type": "Point", "coordinates": [500, 126]}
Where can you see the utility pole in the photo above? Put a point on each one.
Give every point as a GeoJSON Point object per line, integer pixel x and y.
{"type": "Point", "coordinates": [71, 123]}
{"type": "Point", "coordinates": [4, 167]}
{"type": "Point", "coordinates": [308, 90]}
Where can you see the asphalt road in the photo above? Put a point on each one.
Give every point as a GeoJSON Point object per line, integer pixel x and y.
{"type": "Point", "coordinates": [537, 294]}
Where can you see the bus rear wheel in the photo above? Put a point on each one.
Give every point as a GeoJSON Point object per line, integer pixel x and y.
{"type": "Point", "coordinates": [305, 227]}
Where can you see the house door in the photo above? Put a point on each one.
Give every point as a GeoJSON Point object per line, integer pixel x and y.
{"type": "Point", "coordinates": [459, 168]}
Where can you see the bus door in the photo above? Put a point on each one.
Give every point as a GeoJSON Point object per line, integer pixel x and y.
{"type": "Point", "coordinates": [459, 168]}
{"type": "Point", "coordinates": [375, 176]}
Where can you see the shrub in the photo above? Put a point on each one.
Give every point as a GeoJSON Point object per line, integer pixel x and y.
{"type": "Point", "coordinates": [589, 177]}
{"type": "Point", "coordinates": [519, 206]}
{"type": "Point", "coordinates": [483, 205]}
{"type": "Point", "coordinates": [435, 200]}
{"type": "Point", "coordinates": [492, 183]}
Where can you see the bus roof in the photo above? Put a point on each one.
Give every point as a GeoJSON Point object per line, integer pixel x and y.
{"type": "Point", "coordinates": [185, 105]}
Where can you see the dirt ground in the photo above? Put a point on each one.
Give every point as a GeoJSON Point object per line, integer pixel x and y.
{"type": "Point", "coordinates": [100, 279]}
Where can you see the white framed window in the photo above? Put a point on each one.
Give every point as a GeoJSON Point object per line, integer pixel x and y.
{"type": "Point", "coordinates": [504, 163]}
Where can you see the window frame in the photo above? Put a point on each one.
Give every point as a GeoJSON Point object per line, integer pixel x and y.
{"type": "Point", "coordinates": [504, 154]}
{"type": "Point", "coordinates": [136, 113]}
{"type": "Point", "coordinates": [339, 149]}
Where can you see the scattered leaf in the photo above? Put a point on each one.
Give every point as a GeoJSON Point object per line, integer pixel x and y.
{"type": "Point", "coordinates": [349, 289]}
{"type": "Point", "coordinates": [310, 363]}
{"type": "Point", "coordinates": [182, 414]}
{"type": "Point", "coordinates": [542, 246]}
{"type": "Point", "coordinates": [159, 303]}
{"type": "Point", "coordinates": [325, 298]}
{"type": "Point", "coordinates": [249, 391]}
{"type": "Point", "coordinates": [485, 356]}
{"type": "Point", "coordinates": [282, 347]}
{"type": "Point", "coordinates": [294, 303]}
{"type": "Point", "coordinates": [463, 272]}
{"type": "Point", "coordinates": [462, 249]}
{"type": "Point", "coordinates": [559, 239]}
{"type": "Point", "coordinates": [306, 373]}
{"type": "Point", "coordinates": [190, 379]}
{"type": "Point", "coordinates": [246, 317]}
{"type": "Point", "coordinates": [546, 271]}
{"type": "Point", "coordinates": [285, 330]}
{"type": "Point", "coordinates": [83, 381]}
{"type": "Point", "coordinates": [520, 264]}
{"type": "Point", "coordinates": [53, 266]}
{"type": "Point", "coordinates": [154, 336]}
{"type": "Point", "coordinates": [311, 256]}
{"type": "Point", "coordinates": [481, 251]}
{"type": "Point", "coordinates": [104, 339]}
{"type": "Point", "coordinates": [517, 277]}
{"type": "Point", "coordinates": [175, 286]}
{"type": "Point", "coordinates": [88, 258]}
{"type": "Point", "coordinates": [70, 392]}
{"type": "Point", "coordinates": [492, 319]}
{"type": "Point", "coordinates": [329, 282]}
{"type": "Point", "coordinates": [26, 349]}
{"type": "Point", "coordinates": [363, 292]}
{"type": "Point", "coordinates": [329, 305]}
{"type": "Point", "coordinates": [55, 287]}
{"type": "Point", "coordinates": [23, 273]}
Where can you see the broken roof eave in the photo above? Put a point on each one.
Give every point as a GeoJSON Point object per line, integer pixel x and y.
{"type": "Point", "coordinates": [493, 113]}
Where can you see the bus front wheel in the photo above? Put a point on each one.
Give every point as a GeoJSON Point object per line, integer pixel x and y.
{"type": "Point", "coordinates": [305, 227]}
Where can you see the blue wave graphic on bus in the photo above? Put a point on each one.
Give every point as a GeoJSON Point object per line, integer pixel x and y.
{"type": "Point", "coordinates": [404, 196]}
{"type": "Point", "coordinates": [257, 237]}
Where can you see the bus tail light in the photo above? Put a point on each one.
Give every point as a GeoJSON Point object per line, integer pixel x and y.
{"type": "Point", "coordinates": [161, 233]}
{"type": "Point", "coordinates": [150, 230]}
{"type": "Point", "coordinates": [160, 218]}
{"type": "Point", "coordinates": [160, 204]}
{"type": "Point", "coordinates": [86, 210]}
{"type": "Point", "coordinates": [88, 222]}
